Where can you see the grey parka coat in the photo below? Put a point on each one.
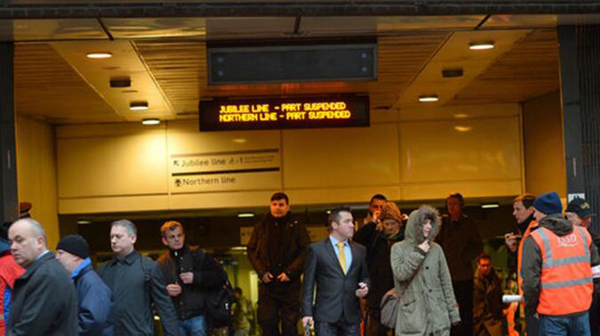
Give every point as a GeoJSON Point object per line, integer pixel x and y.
{"type": "Point", "coordinates": [428, 305]}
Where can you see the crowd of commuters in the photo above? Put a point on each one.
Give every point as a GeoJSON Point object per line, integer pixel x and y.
{"type": "Point", "coordinates": [425, 259]}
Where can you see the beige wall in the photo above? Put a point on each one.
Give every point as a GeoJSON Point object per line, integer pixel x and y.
{"type": "Point", "coordinates": [36, 173]}
{"type": "Point", "coordinates": [544, 145]}
{"type": "Point", "coordinates": [414, 154]}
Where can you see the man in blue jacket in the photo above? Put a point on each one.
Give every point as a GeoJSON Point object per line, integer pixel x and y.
{"type": "Point", "coordinates": [93, 295]}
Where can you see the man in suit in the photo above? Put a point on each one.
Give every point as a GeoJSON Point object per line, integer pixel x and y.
{"type": "Point", "coordinates": [338, 268]}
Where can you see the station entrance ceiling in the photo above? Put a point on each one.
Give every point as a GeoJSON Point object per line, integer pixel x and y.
{"type": "Point", "coordinates": [165, 59]}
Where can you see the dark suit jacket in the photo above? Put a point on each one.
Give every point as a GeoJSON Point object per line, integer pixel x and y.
{"type": "Point", "coordinates": [336, 298]}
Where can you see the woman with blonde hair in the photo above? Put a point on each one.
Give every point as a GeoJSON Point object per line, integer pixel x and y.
{"type": "Point", "coordinates": [427, 305]}
{"type": "Point", "coordinates": [378, 237]}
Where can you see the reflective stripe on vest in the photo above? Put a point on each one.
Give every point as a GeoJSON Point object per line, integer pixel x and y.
{"type": "Point", "coordinates": [566, 279]}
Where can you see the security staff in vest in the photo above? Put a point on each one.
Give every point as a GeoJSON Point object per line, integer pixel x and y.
{"type": "Point", "coordinates": [557, 271]}
{"type": "Point", "coordinates": [580, 213]}
{"type": "Point", "coordinates": [190, 273]}
{"type": "Point", "coordinates": [277, 250]}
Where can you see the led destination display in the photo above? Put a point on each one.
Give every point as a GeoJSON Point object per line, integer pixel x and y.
{"type": "Point", "coordinates": [229, 115]}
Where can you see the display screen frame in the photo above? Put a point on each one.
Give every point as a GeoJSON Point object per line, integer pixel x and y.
{"type": "Point", "coordinates": [292, 113]}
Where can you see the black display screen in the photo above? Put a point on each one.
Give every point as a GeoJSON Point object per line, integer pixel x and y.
{"type": "Point", "coordinates": [257, 114]}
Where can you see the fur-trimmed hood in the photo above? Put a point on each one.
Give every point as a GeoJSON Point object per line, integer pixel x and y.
{"type": "Point", "coordinates": [414, 227]}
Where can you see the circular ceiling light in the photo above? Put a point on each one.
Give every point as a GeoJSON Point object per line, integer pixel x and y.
{"type": "Point", "coordinates": [429, 99]}
{"type": "Point", "coordinates": [98, 55]}
{"type": "Point", "coordinates": [151, 121]}
{"type": "Point", "coordinates": [138, 106]}
{"type": "Point", "coordinates": [481, 46]}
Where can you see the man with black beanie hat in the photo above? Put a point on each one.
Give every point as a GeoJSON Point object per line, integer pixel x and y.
{"type": "Point", "coordinates": [93, 295]}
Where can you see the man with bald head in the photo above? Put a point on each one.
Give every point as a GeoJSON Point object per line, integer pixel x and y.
{"type": "Point", "coordinates": [44, 300]}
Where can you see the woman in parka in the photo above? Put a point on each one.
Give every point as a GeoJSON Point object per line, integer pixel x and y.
{"type": "Point", "coordinates": [427, 306]}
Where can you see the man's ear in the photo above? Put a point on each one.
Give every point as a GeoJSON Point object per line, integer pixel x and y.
{"type": "Point", "coordinates": [133, 238]}
{"type": "Point", "coordinates": [164, 241]}
{"type": "Point", "coordinates": [40, 240]}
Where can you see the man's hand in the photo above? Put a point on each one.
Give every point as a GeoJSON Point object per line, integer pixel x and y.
{"type": "Point", "coordinates": [537, 316]}
{"type": "Point", "coordinates": [174, 289]}
{"type": "Point", "coordinates": [424, 246]}
{"type": "Point", "coordinates": [362, 291]}
{"type": "Point", "coordinates": [307, 321]}
{"type": "Point", "coordinates": [375, 216]}
{"type": "Point", "coordinates": [267, 277]}
{"type": "Point", "coordinates": [187, 277]}
{"type": "Point", "coordinates": [283, 278]}
{"type": "Point", "coordinates": [511, 241]}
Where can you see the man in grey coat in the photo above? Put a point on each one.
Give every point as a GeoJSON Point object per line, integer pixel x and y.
{"type": "Point", "coordinates": [338, 268]}
{"type": "Point", "coordinates": [136, 282]}
{"type": "Point", "coordinates": [44, 300]}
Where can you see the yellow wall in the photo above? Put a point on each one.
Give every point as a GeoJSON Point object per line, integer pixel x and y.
{"type": "Point", "coordinates": [36, 173]}
{"type": "Point", "coordinates": [544, 146]}
{"type": "Point", "coordinates": [413, 154]}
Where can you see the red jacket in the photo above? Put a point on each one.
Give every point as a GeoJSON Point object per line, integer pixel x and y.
{"type": "Point", "coordinates": [9, 272]}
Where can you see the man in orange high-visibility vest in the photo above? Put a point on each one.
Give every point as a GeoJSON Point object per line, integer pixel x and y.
{"type": "Point", "coordinates": [557, 271]}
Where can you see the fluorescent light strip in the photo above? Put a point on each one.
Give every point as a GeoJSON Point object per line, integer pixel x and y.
{"type": "Point", "coordinates": [98, 55]}
{"type": "Point", "coordinates": [149, 122]}
{"type": "Point", "coordinates": [490, 206]}
{"type": "Point", "coordinates": [246, 215]}
{"type": "Point", "coordinates": [429, 99]}
{"type": "Point", "coordinates": [482, 46]}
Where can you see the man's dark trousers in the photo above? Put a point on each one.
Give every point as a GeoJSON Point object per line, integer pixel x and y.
{"type": "Point", "coordinates": [463, 290]}
{"type": "Point", "coordinates": [337, 329]}
{"type": "Point", "coordinates": [275, 307]}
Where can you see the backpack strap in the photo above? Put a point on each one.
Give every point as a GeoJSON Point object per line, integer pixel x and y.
{"type": "Point", "coordinates": [147, 277]}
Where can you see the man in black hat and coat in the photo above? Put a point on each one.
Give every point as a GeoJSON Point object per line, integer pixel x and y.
{"type": "Point", "coordinates": [93, 295]}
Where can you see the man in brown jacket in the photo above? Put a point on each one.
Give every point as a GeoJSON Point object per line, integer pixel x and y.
{"type": "Point", "coordinates": [487, 299]}
{"type": "Point", "coordinates": [277, 250]}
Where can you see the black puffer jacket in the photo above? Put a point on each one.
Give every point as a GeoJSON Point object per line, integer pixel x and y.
{"type": "Point", "coordinates": [378, 247]}
{"type": "Point", "coordinates": [207, 275]}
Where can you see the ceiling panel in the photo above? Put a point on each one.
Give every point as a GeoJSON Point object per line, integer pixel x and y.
{"type": "Point", "coordinates": [382, 25]}
{"type": "Point", "coordinates": [200, 28]}
{"type": "Point", "coordinates": [51, 30]}
{"type": "Point", "coordinates": [47, 87]}
{"type": "Point", "coordinates": [519, 21]}
{"type": "Point", "coordinates": [180, 70]}
{"type": "Point", "coordinates": [529, 69]}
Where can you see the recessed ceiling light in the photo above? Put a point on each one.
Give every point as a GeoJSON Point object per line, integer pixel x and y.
{"type": "Point", "coordinates": [98, 55]}
{"type": "Point", "coordinates": [461, 116]}
{"type": "Point", "coordinates": [138, 106]}
{"type": "Point", "coordinates": [481, 46]}
{"type": "Point", "coordinates": [246, 214]}
{"type": "Point", "coordinates": [239, 140]}
{"type": "Point", "coordinates": [84, 222]}
{"type": "Point", "coordinates": [463, 128]}
{"type": "Point", "coordinates": [152, 121]}
{"type": "Point", "coordinates": [429, 99]}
